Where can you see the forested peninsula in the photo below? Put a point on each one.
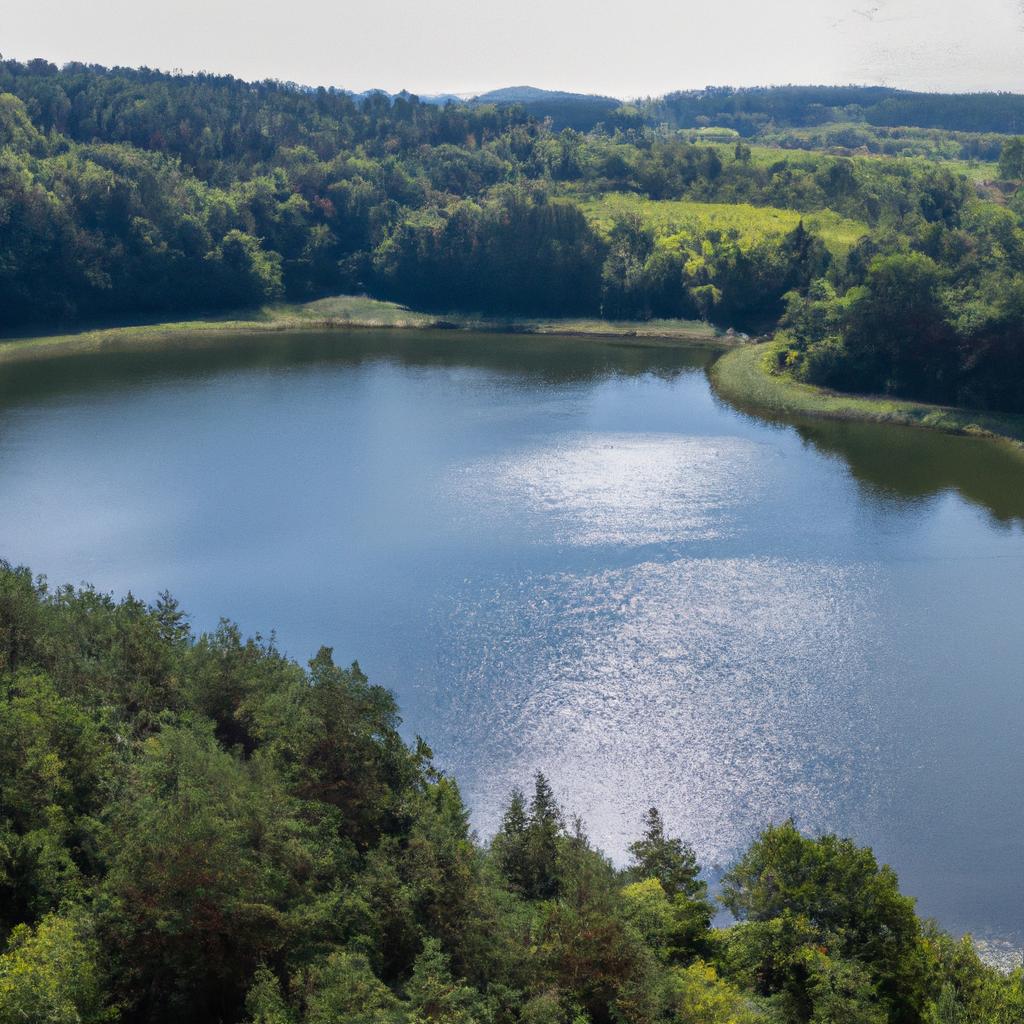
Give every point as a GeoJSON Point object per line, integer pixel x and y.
{"type": "Point", "coordinates": [877, 233]}
{"type": "Point", "coordinates": [201, 829]}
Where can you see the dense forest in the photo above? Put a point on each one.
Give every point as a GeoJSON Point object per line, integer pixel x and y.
{"type": "Point", "coordinates": [199, 829]}
{"type": "Point", "coordinates": [135, 193]}
{"type": "Point", "coordinates": [748, 110]}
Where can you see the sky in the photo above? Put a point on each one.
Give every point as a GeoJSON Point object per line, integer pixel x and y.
{"type": "Point", "coordinates": [638, 48]}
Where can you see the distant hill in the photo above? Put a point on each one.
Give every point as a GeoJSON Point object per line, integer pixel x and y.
{"type": "Point", "coordinates": [531, 94]}
{"type": "Point", "coordinates": [441, 98]}
{"type": "Point", "coordinates": [566, 109]}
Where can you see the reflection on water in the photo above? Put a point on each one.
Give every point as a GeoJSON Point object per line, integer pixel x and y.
{"type": "Point", "coordinates": [570, 555]}
{"type": "Point", "coordinates": [649, 683]}
{"type": "Point", "coordinates": [913, 464]}
{"type": "Point", "coordinates": [617, 488]}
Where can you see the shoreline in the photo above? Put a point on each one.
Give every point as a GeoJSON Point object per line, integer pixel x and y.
{"type": "Point", "coordinates": [743, 378]}
{"type": "Point", "coordinates": [347, 312]}
{"type": "Point", "coordinates": [740, 375]}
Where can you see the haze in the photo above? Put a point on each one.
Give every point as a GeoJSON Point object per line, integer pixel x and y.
{"type": "Point", "coordinates": [467, 46]}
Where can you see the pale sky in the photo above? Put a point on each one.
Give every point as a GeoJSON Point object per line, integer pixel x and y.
{"type": "Point", "coordinates": [641, 47]}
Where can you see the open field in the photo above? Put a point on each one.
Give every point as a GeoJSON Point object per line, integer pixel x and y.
{"type": "Point", "coordinates": [750, 223]}
{"type": "Point", "coordinates": [979, 171]}
{"type": "Point", "coordinates": [349, 311]}
{"type": "Point", "coordinates": [743, 377]}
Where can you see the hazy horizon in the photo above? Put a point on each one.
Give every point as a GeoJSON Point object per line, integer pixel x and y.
{"type": "Point", "coordinates": [466, 48]}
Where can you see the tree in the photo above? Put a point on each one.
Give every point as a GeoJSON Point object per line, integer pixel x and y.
{"type": "Point", "coordinates": [435, 997]}
{"type": "Point", "coordinates": [344, 988]}
{"type": "Point", "coordinates": [50, 974]}
{"type": "Point", "coordinates": [1011, 159]}
{"type": "Point", "coordinates": [667, 859]}
{"type": "Point", "coordinates": [543, 833]}
{"type": "Point", "coordinates": [510, 844]}
{"type": "Point", "coordinates": [264, 1002]}
{"type": "Point", "coordinates": [696, 995]}
{"type": "Point", "coordinates": [687, 912]}
{"type": "Point", "coordinates": [210, 861]}
{"type": "Point", "coordinates": [850, 904]}
{"type": "Point", "coordinates": [21, 612]}
{"type": "Point", "coordinates": [243, 272]}
{"type": "Point", "coordinates": [897, 335]}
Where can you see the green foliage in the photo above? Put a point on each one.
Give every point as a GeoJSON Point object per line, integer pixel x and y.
{"type": "Point", "coordinates": [211, 871]}
{"type": "Point", "coordinates": [245, 274]}
{"type": "Point", "coordinates": [528, 845]}
{"type": "Point", "coordinates": [668, 859]}
{"type": "Point", "coordinates": [696, 995]}
{"type": "Point", "coordinates": [344, 988]}
{"type": "Point", "coordinates": [677, 906]}
{"type": "Point", "coordinates": [55, 760]}
{"type": "Point", "coordinates": [434, 995]}
{"type": "Point", "coordinates": [50, 974]}
{"type": "Point", "coordinates": [749, 109]}
{"type": "Point", "coordinates": [136, 193]}
{"type": "Point", "coordinates": [743, 222]}
{"type": "Point", "coordinates": [1011, 159]}
{"type": "Point", "coordinates": [799, 893]}
{"type": "Point", "coordinates": [200, 829]}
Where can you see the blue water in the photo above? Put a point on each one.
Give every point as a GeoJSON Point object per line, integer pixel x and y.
{"type": "Point", "coordinates": [571, 556]}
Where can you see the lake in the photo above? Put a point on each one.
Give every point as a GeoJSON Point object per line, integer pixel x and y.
{"type": "Point", "coordinates": [570, 555]}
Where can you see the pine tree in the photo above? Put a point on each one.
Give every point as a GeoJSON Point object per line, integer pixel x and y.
{"type": "Point", "coordinates": [668, 859]}
{"type": "Point", "coordinates": [543, 832]}
{"type": "Point", "coordinates": [509, 844]}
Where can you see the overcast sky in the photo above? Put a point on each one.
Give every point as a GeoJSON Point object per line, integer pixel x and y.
{"type": "Point", "coordinates": [639, 47]}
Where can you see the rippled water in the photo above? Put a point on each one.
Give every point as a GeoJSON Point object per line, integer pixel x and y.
{"type": "Point", "coordinates": [569, 555]}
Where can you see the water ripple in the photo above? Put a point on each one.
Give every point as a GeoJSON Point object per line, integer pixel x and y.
{"type": "Point", "coordinates": [728, 692]}
{"type": "Point", "coordinates": [619, 488]}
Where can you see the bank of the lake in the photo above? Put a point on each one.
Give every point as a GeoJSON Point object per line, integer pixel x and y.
{"type": "Point", "coordinates": [346, 312]}
{"type": "Point", "coordinates": [745, 378]}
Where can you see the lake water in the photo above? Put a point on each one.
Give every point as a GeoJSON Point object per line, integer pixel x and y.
{"type": "Point", "coordinates": [570, 555]}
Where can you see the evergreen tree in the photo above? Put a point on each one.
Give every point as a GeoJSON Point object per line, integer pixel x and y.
{"type": "Point", "coordinates": [510, 844]}
{"type": "Point", "coordinates": [543, 832]}
{"type": "Point", "coordinates": [667, 859]}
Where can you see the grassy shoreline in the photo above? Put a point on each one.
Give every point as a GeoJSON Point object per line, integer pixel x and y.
{"type": "Point", "coordinates": [346, 312]}
{"type": "Point", "coordinates": [744, 377]}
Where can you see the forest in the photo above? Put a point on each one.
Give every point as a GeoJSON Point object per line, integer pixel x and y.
{"type": "Point", "coordinates": [139, 194]}
{"type": "Point", "coordinates": [198, 828]}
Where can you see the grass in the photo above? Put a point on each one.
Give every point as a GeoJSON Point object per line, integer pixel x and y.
{"type": "Point", "coordinates": [766, 155]}
{"type": "Point", "coordinates": [980, 172]}
{"type": "Point", "coordinates": [342, 312]}
{"type": "Point", "coordinates": [749, 223]}
{"type": "Point", "coordinates": [744, 377]}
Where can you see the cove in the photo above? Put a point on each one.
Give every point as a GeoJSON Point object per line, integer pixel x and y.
{"type": "Point", "coordinates": [570, 555]}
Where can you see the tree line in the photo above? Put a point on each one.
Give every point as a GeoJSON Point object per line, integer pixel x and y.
{"type": "Point", "coordinates": [198, 828]}
{"type": "Point", "coordinates": [134, 193]}
{"type": "Point", "coordinates": [750, 109]}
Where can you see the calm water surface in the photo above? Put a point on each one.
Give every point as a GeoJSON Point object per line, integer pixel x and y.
{"type": "Point", "coordinates": [570, 555]}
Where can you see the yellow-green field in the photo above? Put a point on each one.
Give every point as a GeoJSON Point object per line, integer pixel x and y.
{"type": "Point", "coordinates": [750, 223]}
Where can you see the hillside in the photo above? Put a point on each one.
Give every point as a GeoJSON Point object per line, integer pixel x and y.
{"type": "Point", "coordinates": [892, 258]}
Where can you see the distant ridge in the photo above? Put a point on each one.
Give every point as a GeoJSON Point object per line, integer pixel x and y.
{"type": "Point", "coordinates": [566, 109]}
{"type": "Point", "coordinates": [531, 94]}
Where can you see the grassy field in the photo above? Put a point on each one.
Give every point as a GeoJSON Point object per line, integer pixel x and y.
{"type": "Point", "coordinates": [744, 378]}
{"type": "Point", "coordinates": [978, 171]}
{"type": "Point", "coordinates": [348, 311]}
{"type": "Point", "coordinates": [766, 156]}
{"type": "Point", "coordinates": [751, 223]}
